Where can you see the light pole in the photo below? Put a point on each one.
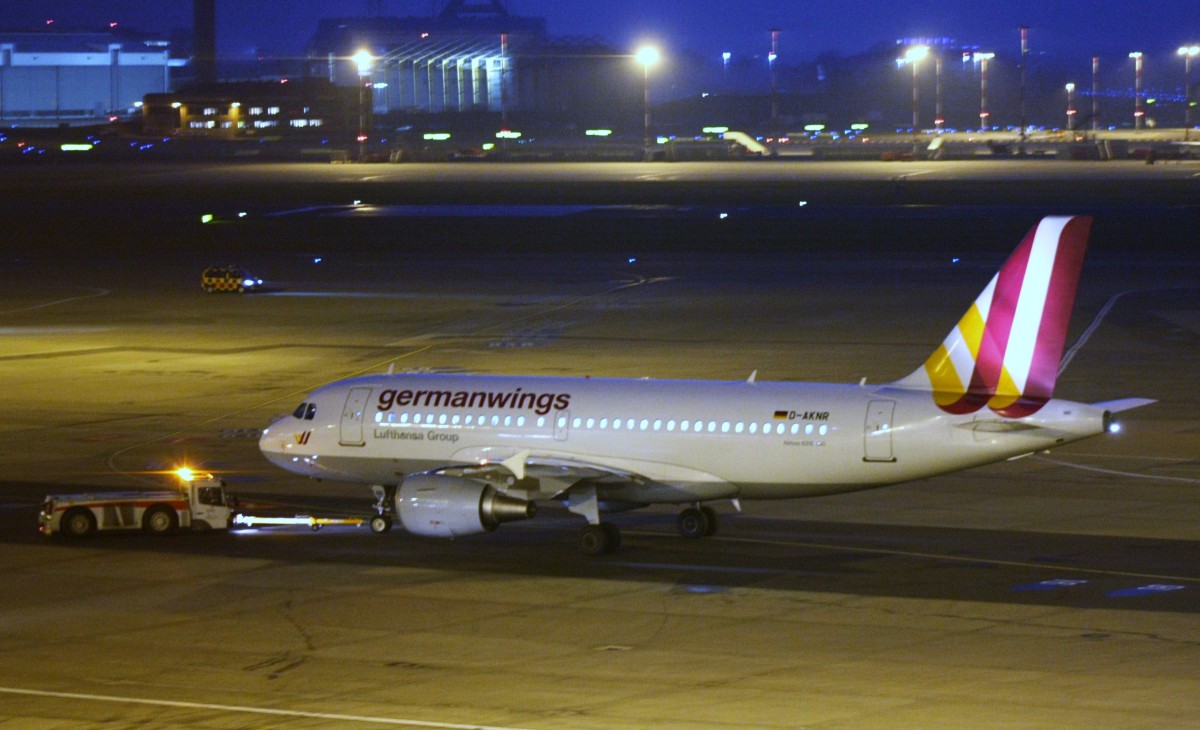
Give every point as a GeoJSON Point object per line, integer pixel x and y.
{"type": "Point", "coordinates": [983, 59]}
{"type": "Point", "coordinates": [938, 119]}
{"type": "Point", "coordinates": [725, 68]}
{"type": "Point", "coordinates": [1188, 53]}
{"type": "Point", "coordinates": [772, 57]}
{"type": "Point", "coordinates": [1095, 93]}
{"type": "Point", "coordinates": [913, 57]}
{"type": "Point", "coordinates": [1070, 107]}
{"type": "Point", "coordinates": [1024, 73]}
{"type": "Point", "coordinates": [647, 56]}
{"type": "Point", "coordinates": [1138, 112]}
{"type": "Point", "coordinates": [364, 60]}
{"type": "Point", "coordinates": [503, 81]}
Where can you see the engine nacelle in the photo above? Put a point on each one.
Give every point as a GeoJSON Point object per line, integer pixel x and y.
{"type": "Point", "coordinates": [442, 506]}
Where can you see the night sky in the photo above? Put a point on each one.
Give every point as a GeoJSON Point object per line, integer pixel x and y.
{"type": "Point", "coordinates": [1059, 27]}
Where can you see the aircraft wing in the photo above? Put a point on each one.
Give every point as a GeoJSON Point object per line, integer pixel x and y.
{"type": "Point", "coordinates": [534, 476]}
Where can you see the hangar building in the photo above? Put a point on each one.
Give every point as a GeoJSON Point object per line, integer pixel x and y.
{"type": "Point", "coordinates": [472, 55]}
{"type": "Point", "coordinates": [51, 77]}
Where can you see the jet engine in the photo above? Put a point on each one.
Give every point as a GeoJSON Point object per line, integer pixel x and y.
{"type": "Point", "coordinates": [436, 505]}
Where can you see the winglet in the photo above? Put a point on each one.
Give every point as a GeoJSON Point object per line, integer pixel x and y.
{"type": "Point", "coordinates": [1005, 350]}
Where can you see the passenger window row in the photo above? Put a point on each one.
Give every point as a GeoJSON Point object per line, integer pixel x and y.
{"type": "Point", "coordinates": [766, 428]}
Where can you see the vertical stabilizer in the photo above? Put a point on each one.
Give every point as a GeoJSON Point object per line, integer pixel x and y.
{"type": "Point", "coordinates": [1004, 352]}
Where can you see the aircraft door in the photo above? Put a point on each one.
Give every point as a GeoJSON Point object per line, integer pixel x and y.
{"type": "Point", "coordinates": [352, 417]}
{"type": "Point", "coordinates": [877, 433]}
{"type": "Point", "coordinates": [562, 422]}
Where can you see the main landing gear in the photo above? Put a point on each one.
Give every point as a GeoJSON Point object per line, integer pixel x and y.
{"type": "Point", "coordinates": [696, 522]}
{"type": "Point", "coordinates": [602, 538]}
{"type": "Point", "coordinates": [596, 538]}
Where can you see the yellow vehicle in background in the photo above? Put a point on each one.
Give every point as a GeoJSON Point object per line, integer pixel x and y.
{"type": "Point", "coordinates": [228, 278]}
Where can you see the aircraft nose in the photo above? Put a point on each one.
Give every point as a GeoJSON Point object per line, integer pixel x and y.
{"type": "Point", "coordinates": [270, 442]}
{"type": "Point", "coordinates": [286, 445]}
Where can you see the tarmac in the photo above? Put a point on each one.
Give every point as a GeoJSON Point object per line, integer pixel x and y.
{"type": "Point", "coordinates": [1060, 590]}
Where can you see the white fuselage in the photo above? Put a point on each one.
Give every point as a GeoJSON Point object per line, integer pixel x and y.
{"type": "Point", "coordinates": [682, 441]}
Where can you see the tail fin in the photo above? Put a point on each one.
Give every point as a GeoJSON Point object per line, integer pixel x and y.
{"type": "Point", "coordinates": [1004, 352]}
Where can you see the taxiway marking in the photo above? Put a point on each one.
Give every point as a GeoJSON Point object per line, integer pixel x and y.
{"type": "Point", "coordinates": [937, 556]}
{"type": "Point", "coordinates": [98, 293]}
{"type": "Point", "coordinates": [369, 719]}
{"type": "Point", "coordinates": [1115, 472]}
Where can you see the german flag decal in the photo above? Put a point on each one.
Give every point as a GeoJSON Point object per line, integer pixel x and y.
{"type": "Point", "coordinates": [781, 415]}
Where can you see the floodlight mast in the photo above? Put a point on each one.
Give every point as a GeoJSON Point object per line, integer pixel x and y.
{"type": "Point", "coordinates": [1139, 114]}
{"type": "Point", "coordinates": [1188, 53]}
{"type": "Point", "coordinates": [364, 61]}
{"type": "Point", "coordinates": [647, 56]}
{"type": "Point", "coordinates": [913, 57]}
{"type": "Point", "coordinates": [1070, 107]}
{"type": "Point", "coordinates": [983, 59]}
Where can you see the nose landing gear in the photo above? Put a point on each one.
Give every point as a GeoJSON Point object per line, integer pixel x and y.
{"type": "Point", "coordinates": [385, 497]}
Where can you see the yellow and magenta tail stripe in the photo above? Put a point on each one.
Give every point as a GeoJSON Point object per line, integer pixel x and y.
{"type": "Point", "coordinates": [1005, 350]}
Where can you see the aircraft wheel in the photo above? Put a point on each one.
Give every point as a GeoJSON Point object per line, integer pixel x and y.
{"type": "Point", "coordinates": [381, 524]}
{"type": "Point", "coordinates": [593, 540]}
{"type": "Point", "coordinates": [599, 539]}
{"type": "Point", "coordinates": [694, 523]}
{"type": "Point", "coordinates": [77, 522]}
{"type": "Point", "coordinates": [710, 514]}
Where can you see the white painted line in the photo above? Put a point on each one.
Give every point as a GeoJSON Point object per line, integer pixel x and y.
{"type": "Point", "coordinates": [1087, 334]}
{"type": "Point", "coordinates": [1083, 338]}
{"type": "Point", "coordinates": [99, 293]}
{"type": "Point", "coordinates": [307, 209]}
{"type": "Point", "coordinates": [51, 330]}
{"type": "Point", "coordinates": [1094, 455]}
{"type": "Point", "coordinates": [1114, 472]}
{"type": "Point", "coordinates": [1044, 567]}
{"type": "Point", "coordinates": [250, 710]}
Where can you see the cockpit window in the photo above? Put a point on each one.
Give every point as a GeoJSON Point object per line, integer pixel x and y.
{"type": "Point", "coordinates": [310, 412]}
{"type": "Point", "coordinates": [299, 412]}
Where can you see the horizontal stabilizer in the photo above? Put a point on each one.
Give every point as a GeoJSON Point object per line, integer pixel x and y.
{"type": "Point", "coordinates": [1124, 404]}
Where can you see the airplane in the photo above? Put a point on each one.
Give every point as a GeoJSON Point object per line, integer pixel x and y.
{"type": "Point", "coordinates": [461, 454]}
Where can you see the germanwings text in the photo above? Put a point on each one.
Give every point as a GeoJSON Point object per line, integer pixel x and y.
{"type": "Point", "coordinates": [539, 403]}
